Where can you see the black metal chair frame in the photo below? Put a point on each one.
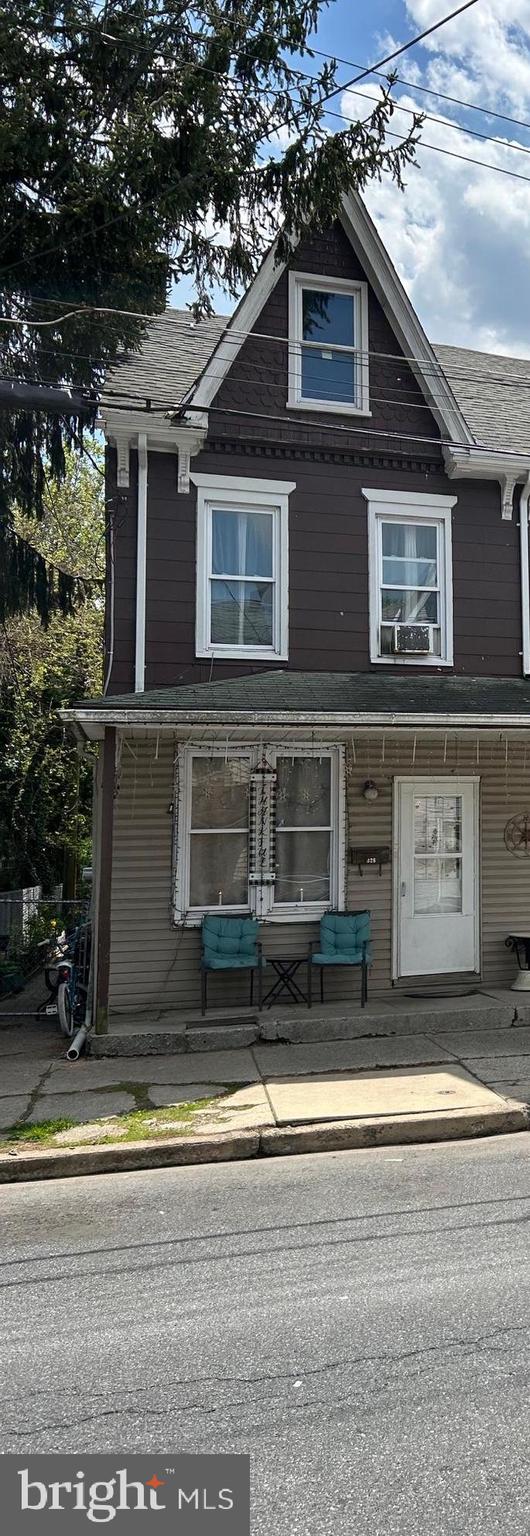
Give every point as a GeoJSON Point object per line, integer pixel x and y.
{"type": "Point", "coordinates": [207, 970]}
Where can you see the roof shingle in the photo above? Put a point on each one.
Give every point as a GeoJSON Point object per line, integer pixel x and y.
{"type": "Point", "coordinates": [321, 693]}
{"type": "Point", "coordinates": [493, 392]}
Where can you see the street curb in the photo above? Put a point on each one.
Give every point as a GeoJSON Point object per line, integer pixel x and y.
{"type": "Point", "coordinates": [279, 1141]}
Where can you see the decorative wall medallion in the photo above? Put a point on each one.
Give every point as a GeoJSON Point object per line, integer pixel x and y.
{"type": "Point", "coordinates": [517, 834]}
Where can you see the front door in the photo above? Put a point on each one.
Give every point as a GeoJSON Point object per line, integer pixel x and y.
{"type": "Point", "coordinates": [436, 864]}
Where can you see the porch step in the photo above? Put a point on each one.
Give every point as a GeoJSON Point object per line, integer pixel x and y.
{"type": "Point", "coordinates": [297, 1026]}
{"type": "Point", "coordinates": [127, 1039]}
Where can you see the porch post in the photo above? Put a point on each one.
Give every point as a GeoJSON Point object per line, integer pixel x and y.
{"type": "Point", "coordinates": [102, 915]}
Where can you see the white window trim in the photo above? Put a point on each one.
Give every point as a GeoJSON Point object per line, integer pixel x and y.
{"type": "Point", "coordinates": [255, 496]}
{"type": "Point", "coordinates": [261, 898]}
{"type": "Point", "coordinates": [295, 401]}
{"type": "Point", "coordinates": [414, 507]}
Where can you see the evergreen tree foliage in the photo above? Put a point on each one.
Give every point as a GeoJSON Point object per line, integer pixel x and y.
{"type": "Point", "coordinates": [142, 140]}
{"type": "Point", "coordinates": [45, 787]}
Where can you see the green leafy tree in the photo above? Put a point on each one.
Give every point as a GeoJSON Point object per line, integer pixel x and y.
{"type": "Point", "coordinates": [142, 140]}
{"type": "Point", "coordinates": [45, 787]}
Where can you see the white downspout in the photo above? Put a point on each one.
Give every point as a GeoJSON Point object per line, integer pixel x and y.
{"type": "Point", "coordinates": [525, 581]}
{"type": "Point", "coordinates": [141, 552]}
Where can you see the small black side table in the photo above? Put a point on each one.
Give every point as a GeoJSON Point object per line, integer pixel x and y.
{"type": "Point", "coordinates": [286, 967]}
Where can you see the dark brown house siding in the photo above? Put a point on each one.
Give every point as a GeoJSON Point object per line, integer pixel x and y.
{"type": "Point", "coordinates": [252, 434]}
{"type": "Point", "coordinates": [328, 571]}
{"type": "Point", "coordinates": [258, 379]}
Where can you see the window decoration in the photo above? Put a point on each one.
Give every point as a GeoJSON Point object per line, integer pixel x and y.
{"type": "Point", "coordinates": [262, 839]}
{"type": "Point", "coordinates": [259, 832]}
{"type": "Point", "coordinates": [242, 567]}
{"type": "Point", "coordinates": [328, 344]}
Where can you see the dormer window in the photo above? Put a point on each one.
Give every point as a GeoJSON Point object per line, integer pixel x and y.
{"type": "Point", "coordinates": [328, 345]}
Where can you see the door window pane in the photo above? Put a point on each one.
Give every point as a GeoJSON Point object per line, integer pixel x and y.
{"type": "Point", "coordinates": [241, 613]}
{"type": "Point", "coordinates": [302, 866]}
{"type": "Point", "coordinates": [328, 317]}
{"type": "Point", "coordinates": [219, 869]}
{"type": "Point", "coordinates": [437, 885]}
{"type": "Point", "coordinates": [303, 795]}
{"type": "Point", "coordinates": [438, 824]}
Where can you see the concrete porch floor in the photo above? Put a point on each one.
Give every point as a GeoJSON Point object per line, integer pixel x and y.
{"type": "Point", "coordinates": [396, 1013]}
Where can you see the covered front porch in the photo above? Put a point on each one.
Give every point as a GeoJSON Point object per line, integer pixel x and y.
{"type": "Point", "coordinates": [418, 817]}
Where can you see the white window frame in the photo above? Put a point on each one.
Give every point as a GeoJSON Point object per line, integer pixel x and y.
{"type": "Point", "coordinates": [417, 508]}
{"type": "Point", "coordinates": [359, 291]}
{"type": "Point", "coordinates": [231, 493]}
{"type": "Point", "coordinates": [260, 902]}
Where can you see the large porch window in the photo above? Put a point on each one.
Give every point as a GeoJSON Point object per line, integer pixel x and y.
{"type": "Point", "coordinates": [258, 831]}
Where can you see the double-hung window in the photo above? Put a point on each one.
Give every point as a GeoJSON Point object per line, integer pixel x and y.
{"type": "Point", "coordinates": [410, 566]}
{"type": "Point", "coordinates": [242, 567]}
{"type": "Point", "coordinates": [259, 832]}
{"type": "Point", "coordinates": [328, 344]}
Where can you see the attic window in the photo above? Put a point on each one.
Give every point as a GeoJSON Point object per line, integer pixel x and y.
{"type": "Point", "coordinates": [328, 345]}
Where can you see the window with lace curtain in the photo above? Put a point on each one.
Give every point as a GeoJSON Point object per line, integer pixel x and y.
{"type": "Point", "coordinates": [410, 574]}
{"type": "Point", "coordinates": [259, 831]}
{"type": "Point", "coordinates": [242, 567]}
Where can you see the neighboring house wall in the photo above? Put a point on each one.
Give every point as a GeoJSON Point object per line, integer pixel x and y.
{"type": "Point", "coordinates": [155, 964]}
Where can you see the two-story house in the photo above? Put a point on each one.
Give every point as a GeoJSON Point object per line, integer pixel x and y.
{"type": "Point", "coordinates": [318, 636]}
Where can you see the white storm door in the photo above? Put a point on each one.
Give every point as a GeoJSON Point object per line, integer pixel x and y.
{"type": "Point", "coordinates": [436, 893]}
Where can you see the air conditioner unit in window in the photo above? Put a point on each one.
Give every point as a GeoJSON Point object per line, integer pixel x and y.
{"type": "Point", "coordinates": [413, 639]}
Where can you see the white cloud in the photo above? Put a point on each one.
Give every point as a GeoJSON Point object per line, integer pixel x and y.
{"type": "Point", "coordinates": [460, 234]}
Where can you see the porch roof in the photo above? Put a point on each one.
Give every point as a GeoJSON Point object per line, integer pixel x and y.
{"type": "Point", "coordinates": [348, 697]}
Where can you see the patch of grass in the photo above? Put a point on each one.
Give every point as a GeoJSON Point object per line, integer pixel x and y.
{"type": "Point", "coordinates": [152, 1124]}
{"type": "Point", "coordinates": [143, 1123]}
{"type": "Point", "coordinates": [134, 1125]}
{"type": "Point", "coordinates": [42, 1131]}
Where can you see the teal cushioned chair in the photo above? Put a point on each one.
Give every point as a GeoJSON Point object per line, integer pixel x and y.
{"type": "Point", "coordinates": [344, 940]}
{"type": "Point", "coordinates": [230, 944]}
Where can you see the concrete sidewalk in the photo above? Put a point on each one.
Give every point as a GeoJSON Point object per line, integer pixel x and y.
{"type": "Point", "coordinates": [418, 1086]}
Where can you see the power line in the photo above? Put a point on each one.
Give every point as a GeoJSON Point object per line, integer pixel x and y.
{"type": "Point", "coordinates": [238, 332]}
{"type": "Point", "coordinates": [278, 372]}
{"type": "Point", "coordinates": [371, 68]}
{"type": "Point", "coordinates": [365, 431]}
{"type": "Point", "coordinates": [444, 122]}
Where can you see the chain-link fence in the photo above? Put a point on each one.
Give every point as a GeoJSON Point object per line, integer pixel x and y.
{"type": "Point", "coordinates": [34, 931]}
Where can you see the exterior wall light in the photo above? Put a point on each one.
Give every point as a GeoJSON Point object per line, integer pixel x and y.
{"type": "Point", "coordinates": [370, 790]}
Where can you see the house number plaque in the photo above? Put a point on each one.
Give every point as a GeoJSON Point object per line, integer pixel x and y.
{"type": "Point", "coordinates": [369, 858]}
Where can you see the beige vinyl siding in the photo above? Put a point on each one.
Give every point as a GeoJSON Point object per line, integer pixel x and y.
{"type": "Point", "coordinates": [155, 965]}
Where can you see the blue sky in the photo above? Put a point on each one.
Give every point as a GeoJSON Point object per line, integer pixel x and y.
{"type": "Point", "coordinates": [460, 233]}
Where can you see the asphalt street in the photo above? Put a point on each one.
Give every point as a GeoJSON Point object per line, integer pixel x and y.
{"type": "Point", "coordinates": [358, 1321]}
